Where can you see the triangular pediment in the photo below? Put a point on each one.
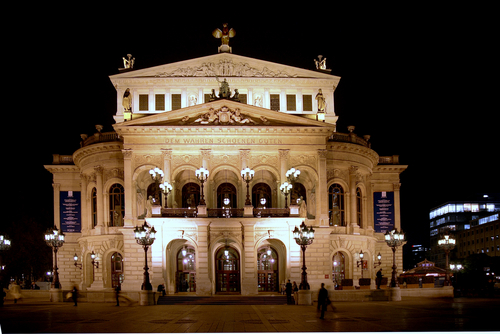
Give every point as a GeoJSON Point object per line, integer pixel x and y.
{"type": "Point", "coordinates": [223, 113]}
{"type": "Point", "coordinates": [223, 65]}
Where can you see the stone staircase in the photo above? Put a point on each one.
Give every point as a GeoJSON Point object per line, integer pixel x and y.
{"type": "Point", "coordinates": [222, 300]}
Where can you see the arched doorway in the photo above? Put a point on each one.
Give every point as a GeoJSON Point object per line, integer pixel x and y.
{"type": "Point", "coordinates": [227, 264]}
{"type": "Point", "coordinates": [190, 195]}
{"type": "Point", "coordinates": [298, 190]}
{"type": "Point", "coordinates": [268, 264]}
{"type": "Point", "coordinates": [261, 196]}
{"type": "Point", "coordinates": [185, 278]}
{"type": "Point", "coordinates": [116, 269]}
{"type": "Point", "coordinates": [338, 271]}
{"type": "Point", "coordinates": [226, 191]}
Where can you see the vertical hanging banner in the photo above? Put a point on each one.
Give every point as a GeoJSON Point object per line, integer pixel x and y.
{"type": "Point", "coordinates": [70, 211]}
{"type": "Point", "coordinates": [383, 206]}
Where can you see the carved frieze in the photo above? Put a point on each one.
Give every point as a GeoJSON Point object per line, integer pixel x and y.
{"type": "Point", "coordinates": [147, 159]}
{"type": "Point", "coordinates": [225, 68]}
{"type": "Point", "coordinates": [303, 159]}
{"type": "Point", "coordinates": [185, 159]}
{"type": "Point", "coordinates": [265, 159]}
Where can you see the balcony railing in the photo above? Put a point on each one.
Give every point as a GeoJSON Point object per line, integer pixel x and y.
{"type": "Point", "coordinates": [224, 213]}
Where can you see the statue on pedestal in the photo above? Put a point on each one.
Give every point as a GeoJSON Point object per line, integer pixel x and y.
{"type": "Point", "coordinates": [224, 35]}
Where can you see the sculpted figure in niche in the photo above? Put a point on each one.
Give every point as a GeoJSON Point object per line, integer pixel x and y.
{"type": "Point", "coordinates": [141, 211]}
{"type": "Point", "coordinates": [149, 207]}
{"type": "Point", "coordinates": [127, 101]}
{"type": "Point", "coordinates": [302, 207]}
{"type": "Point", "coordinates": [321, 101]}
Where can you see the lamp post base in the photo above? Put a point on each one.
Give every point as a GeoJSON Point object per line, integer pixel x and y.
{"type": "Point", "coordinates": [395, 294]}
{"type": "Point", "coordinates": [146, 298]}
{"type": "Point", "coordinates": [56, 295]}
{"type": "Point", "coordinates": [304, 297]}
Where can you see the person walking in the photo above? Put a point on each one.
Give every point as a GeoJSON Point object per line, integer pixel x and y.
{"type": "Point", "coordinates": [117, 294]}
{"type": "Point", "coordinates": [288, 291]}
{"type": "Point", "coordinates": [295, 289]}
{"type": "Point", "coordinates": [378, 279]}
{"type": "Point", "coordinates": [74, 295]}
{"type": "Point", "coordinates": [323, 300]}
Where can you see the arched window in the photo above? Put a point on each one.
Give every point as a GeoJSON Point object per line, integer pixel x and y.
{"type": "Point", "coordinates": [298, 190]}
{"type": "Point", "coordinates": [261, 196]}
{"type": "Point", "coordinates": [116, 205]}
{"type": "Point", "coordinates": [186, 270]}
{"type": "Point", "coordinates": [190, 195]}
{"type": "Point", "coordinates": [337, 208]}
{"type": "Point", "coordinates": [116, 269]}
{"type": "Point", "coordinates": [93, 206]}
{"type": "Point", "coordinates": [226, 191]}
{"type": "Point", "coordinates": [359, 207]}
{"type": "Point", "coordinates": [338, 270]}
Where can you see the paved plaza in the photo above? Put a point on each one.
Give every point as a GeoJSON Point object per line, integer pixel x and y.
{"type": "Point", "coordinates": [410, 314]}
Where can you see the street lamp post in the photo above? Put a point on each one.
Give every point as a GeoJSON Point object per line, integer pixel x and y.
{"type": "Point", "coordinates": [394, 239]}
{"type": "Point", "coordinates": [55, 240]}
{"type": "Point", "coordinates": [202, 175]}
{"type": "Point", "coordinates": [166, 188]}
{"type": "Point", "coordinates": [361, 262]}
{"type": "Point", "coordinates": [145, 235]}
{"type": "Point", "coordinates": [157, 176]}
{"type": "Point", "coordinates": [303, 237]}
{"type": "Point", "coordinates": [292, 175]}
{"type": "Point", "coordinates": [285, 190]}
{"type": "Point", "coordinates": [247, 176]}
{"type": "Point", "coordinates": [447, 243]}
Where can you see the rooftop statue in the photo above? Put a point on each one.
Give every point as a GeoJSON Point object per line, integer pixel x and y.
{"type": "Point", "coordinates": [128, 63]}
{"type": "Point", "coordinates": [225, 34]}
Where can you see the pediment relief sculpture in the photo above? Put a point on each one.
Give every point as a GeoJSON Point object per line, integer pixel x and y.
{"type": "Point", "coordinates": [225, 68]}
{"type": "Point", "coordinates": [222, 116]}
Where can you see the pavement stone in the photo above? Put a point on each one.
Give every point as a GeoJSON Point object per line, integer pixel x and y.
{"type": "Point", "coordinates": [410, 314]}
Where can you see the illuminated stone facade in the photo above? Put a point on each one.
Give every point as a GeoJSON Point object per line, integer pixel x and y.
{"type": "Point", "coordinates": [169, 117]}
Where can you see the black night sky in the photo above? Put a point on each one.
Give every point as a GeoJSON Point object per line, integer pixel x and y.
{"type": "Point", "coordinates": [420, 81]}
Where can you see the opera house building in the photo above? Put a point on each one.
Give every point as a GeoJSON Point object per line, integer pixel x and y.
{"type": "Point", "coordinates": [224, 156]}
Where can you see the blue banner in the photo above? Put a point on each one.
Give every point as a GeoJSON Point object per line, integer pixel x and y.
{"type": "Point", "coordinates": [383, 206]}
{"type": "Point", "coordinates": [70, 211]}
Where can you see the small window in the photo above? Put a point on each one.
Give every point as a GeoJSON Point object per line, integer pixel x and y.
{"type": "Point", "coordinates": [160, 102]}
{"type": "Point", "coordinates": [275, 102]}
{"type": "Point", "coordinates": [290, 103]}
{"type": "Point", "coordinates": [307, 103]}
{"type": "Point", "coordinates": [143, 102]}
{"type": "Point", "coordinates": [176, 101]}
{"type": "Point", "coordinates": [116, 205]}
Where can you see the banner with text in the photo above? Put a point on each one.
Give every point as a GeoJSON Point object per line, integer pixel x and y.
{"type": "Point", "coordinates": [70, 209]}
{"type": "Point", "coordinates": [383, 205]}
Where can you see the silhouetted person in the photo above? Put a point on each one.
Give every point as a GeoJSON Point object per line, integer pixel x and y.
{"type": "Point", "coordinates": [288, 291]}
{"type": "Point", "coordinates": [378, 280]}
{"type": "Point", "coordinates": [74, 295]}
{"type": "Point", "coordinates": [323, 300]}
{"type": "Point", "coordinates": [117, 294]}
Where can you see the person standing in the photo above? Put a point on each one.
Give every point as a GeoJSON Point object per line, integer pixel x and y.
{"type": "Point", "coordinates": [323, 300]}
{"type": "Point", "coordinates": [117, 294]}
{"type": "Point", "coordinates": [288, 291]}
{"type": "Point", "coordinates": [378, 279]}
{"type": "Point", "coordinates": [74, 295]}
{"type": "Point", "coordinates": [295, 292]}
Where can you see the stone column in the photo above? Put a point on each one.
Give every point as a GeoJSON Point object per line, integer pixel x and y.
{"type": "Point", "coordinates": [129, 188]}
{"type": "Point", "coordinates": [352, 196]}
{"type": "Point", "coordinates": [57, 196]}
{"type": "Point", "coordinates": [284, 155]}
{"type": "Point", "coordinates": [100, 199]}
{"type": "Point", "coordinates": [249, 282]}
{"type": "Point", "coordinates": [85, 212]}
{"type": "Point", "coordinates": [167, 169]}
{"type": "Point", "coordinates": [321, 190]}
{"type": "Point", "coordinates": [203, 282]}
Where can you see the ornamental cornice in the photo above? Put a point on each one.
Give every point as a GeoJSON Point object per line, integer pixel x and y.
{"type": "Point", "coordinates": [390, 168]}
{"type": "Point", "coordinates": [62, 168]}
{"type": "Point", "coordinates": [203, 131]}
{"type": "Point", "coordinates": [95, 148]}
{"type": "Point", "coordinates": [254, 82]}
{"type": "Point", "coordinates": [355, 149]}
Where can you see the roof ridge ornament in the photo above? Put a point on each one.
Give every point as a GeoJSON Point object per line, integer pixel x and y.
{"type": "Point", "coordinates": [224, 35]}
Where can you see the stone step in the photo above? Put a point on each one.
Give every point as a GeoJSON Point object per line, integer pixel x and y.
{"type": "Point", "coordinates": [222, 300]}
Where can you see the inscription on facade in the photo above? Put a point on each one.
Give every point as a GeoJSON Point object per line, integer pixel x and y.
{"type": "Point", "coordinates": [222, 141]}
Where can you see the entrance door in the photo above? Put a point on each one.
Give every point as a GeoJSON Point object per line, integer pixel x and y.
{"type": "Point", "coordinates": [116, 270]}
{"type": "Point", "coordinates": [227, 271]}
{"type": "Point", "coordinates": [267, 262]}
{"type": "Point", "coordinates": [338, 273]}
{"type": "Point", "coordinates": [185, 279]}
